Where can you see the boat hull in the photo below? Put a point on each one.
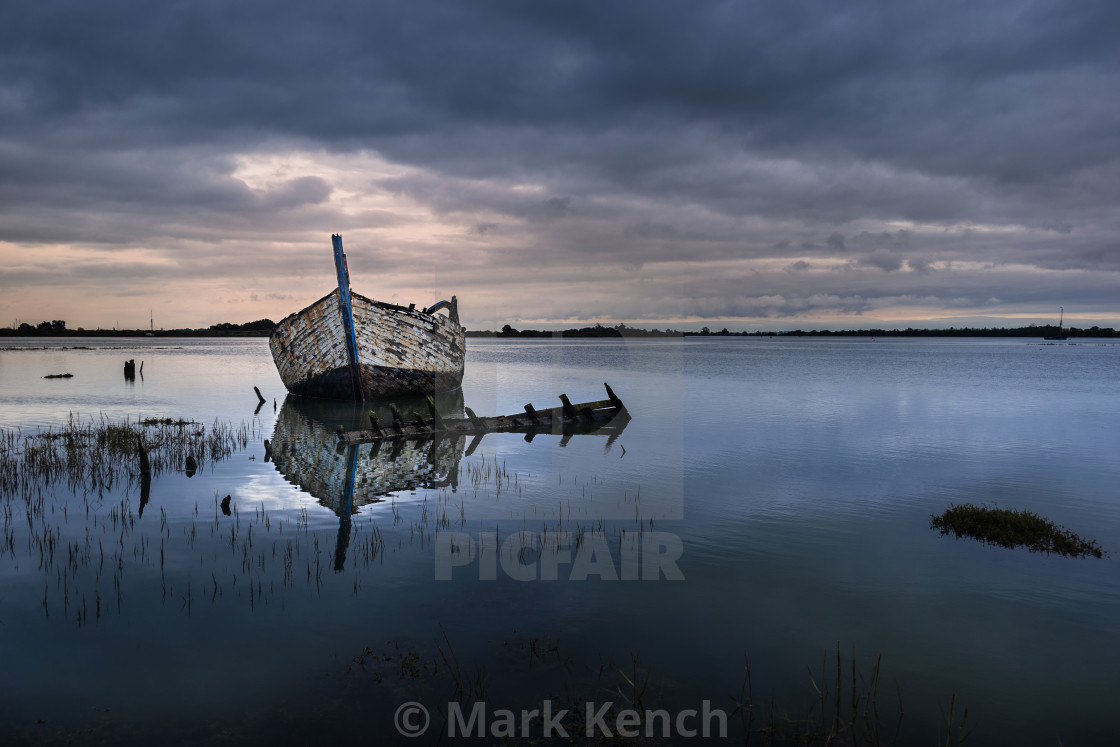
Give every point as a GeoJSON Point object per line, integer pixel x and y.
{"type": "Point", "coordinates": [401, 351]}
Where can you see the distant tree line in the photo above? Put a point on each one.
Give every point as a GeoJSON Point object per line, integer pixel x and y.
{"type": "Point", "coordinates": [1032, 330]}
{"type": "Point", "coordinates": [259, 328]}
{"type": "Point", "coordinates": [621, 330]}
{"type": "Point", "coordinates": [57, 327]}
{"type": "Point", "coordinates": [263, 326]}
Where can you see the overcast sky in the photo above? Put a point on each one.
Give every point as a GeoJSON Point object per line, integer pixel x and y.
{"type": "Point", "coordinates": [758, 164]}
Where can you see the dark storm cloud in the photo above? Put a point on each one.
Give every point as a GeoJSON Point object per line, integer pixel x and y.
{"type": "Point", "coordinates": [893, 140]}
{"type": "Point", "coordinates": [885, 260]}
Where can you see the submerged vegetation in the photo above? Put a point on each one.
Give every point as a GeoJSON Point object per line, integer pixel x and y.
{"type": "Point", "coordinates": [73, 499]}
{"type": "Point", "coordinates": [99, 453]}
{"type": "Point", "coordinates": [1011, 528]}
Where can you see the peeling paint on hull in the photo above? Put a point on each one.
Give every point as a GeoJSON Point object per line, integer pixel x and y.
{"type": "Point", "coordinates": [401, 351]}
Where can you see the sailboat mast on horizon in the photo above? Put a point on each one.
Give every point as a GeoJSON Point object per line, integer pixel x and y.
{"type": "Point", "coordinates": [1061, 318]}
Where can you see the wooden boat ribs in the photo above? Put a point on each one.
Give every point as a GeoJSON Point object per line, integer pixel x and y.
{"type": "Point", "coordinates": [599, 416]}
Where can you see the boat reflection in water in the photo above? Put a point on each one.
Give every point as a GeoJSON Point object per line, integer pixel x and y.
{"type": "Point", "coordinates": [344, 477]}
{"type": "Point", "coordinates": [306, 451]}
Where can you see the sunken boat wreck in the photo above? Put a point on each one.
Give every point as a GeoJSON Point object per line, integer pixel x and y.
{"type": "Point", "coordinates": [605, 417]}
{"type": "Point", "coordinates": [315, 444]}
{"type": "Point", "coordinates": [347, 469]}
{"type": "Point", "coordinates": [347, 346]}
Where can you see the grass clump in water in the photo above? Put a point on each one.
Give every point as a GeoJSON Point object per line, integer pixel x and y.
{"type": "Point", "coordinates": [168, 421]}
{"type": "Point", "coordinates": [1011, 528]}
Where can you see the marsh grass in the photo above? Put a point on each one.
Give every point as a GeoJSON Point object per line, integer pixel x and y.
{"type": "Point", "coordinates": [96, 454]}
{"type": "Point", "coordinates": [74, 499]}
{"type": "Point", "coordinates": [1012, 528]}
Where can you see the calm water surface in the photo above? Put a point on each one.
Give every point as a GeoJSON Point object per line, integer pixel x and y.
{"type": "Point", "coordinates": [794, 477]}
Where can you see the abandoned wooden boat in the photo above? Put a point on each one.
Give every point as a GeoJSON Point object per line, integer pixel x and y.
{"type": "Point", "coordinates": [347, 346]}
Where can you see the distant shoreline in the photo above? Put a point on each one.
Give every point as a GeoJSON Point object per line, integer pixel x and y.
{"type": "Point", "coordinates": [621, 330]}
{"type": "Point", "coordinates": [73, 333]}
{"type": "Point", "coordinates": [599, 331]}
{"type": "Point", "coordinates": [1070, 336]}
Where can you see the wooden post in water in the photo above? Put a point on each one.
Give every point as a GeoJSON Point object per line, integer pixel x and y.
{"type": "Point", "coordinates": [145, 475]}
{"type": "Point", "coordinates": [475, 420]}
{"type": "Point", "coordinates": [614, 398]}
{"type": "Point", "coordinates": [437, 421]}
{"type": "Point", "coordinates": [569, 409]}
{"type": "Point", "coordinates": [398, 421]}
{"type": "Point", "coordinates": [145, 465]}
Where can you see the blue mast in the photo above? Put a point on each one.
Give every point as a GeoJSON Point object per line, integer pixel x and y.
{"type": "Point", "coordinates": [347, 312]}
